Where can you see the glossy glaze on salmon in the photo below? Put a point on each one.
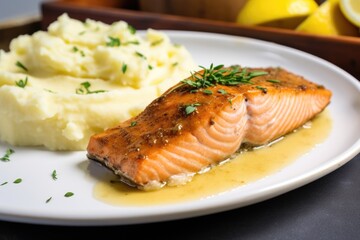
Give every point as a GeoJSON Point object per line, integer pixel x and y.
{"type": "Point", "coordinates": [192, 127]}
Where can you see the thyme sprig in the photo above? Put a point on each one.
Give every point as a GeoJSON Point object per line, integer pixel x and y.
{"type": "Point", "coordinates": [218, 75]}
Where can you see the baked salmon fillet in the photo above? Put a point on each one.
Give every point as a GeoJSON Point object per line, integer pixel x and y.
{"type": "Point", "coordinates": [203, 120]}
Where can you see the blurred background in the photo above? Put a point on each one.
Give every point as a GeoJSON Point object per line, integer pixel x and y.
{"type": "Point", "coordinates": [11, 10]}
{"type": "Point", "coordinates": [212, 9]}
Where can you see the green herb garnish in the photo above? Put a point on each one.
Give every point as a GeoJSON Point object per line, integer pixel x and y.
{"type": "Point", "coordinates": [54, 175]}
{"type": "Point", "coordinates": [273, 80]}
{"type": "Point", "coordinates": [69, 194]}
{"type": "Point", "coordinates": [155, 43]}
{"type": "Point", "coordinates": [207, 91]}
{"type": "Point", "coordinates": [84, 89]}
{"type": "Point", "coordinates": [124, 68]}
{"type": "Point", "coordinates": [150, 67]}
{"type": "Point", "coordinates": [223, 76]}
{"type": "Point", "coordinates": [48, 200]}
{"type": "Point", "coordinates": [263, 89]}
{"type": "Point", "coordinates": [132, 124]}
{"type": "Point", "coordinates": [4, 183]}
{"type": "Point", "coordinates": [48, 90]}
{"type": "Point", "coordinates": [22, 83]}
{"type": "Point", "coordinates": [75, 49]}
{"type": "Point", "coordinates": [82, 33]}
{"type": "Point", "coordinates": [20, 65]}
{"type": "Point", "coordinates": [136, 42]}
{"type": "Point", "coordinates": [113, 42]}
{"type": "Point", "coordinates": [191, 108]}
{"type": "Point", "coordinates": [6, 157]}
{"type": "Point", "coordinates": [222, 91]}
{"type": "Point", "coordinates": [132, 30]}
{"type": "Point", "coordinates": [140, 55]}
{"type": "Point", "coordinates": [19, 180]}
{"type": "Point", "coordinates": [175, 64]}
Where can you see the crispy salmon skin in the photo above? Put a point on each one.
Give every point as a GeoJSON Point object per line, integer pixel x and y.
{"type": "Point", "coordinates": [203, 120]}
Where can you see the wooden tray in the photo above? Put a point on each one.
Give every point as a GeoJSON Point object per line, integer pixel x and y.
{"type": "Point", "coordinates": [342, 51]}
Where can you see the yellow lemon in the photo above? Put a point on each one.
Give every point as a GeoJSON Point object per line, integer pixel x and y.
{"type": "Point", "coordinates": [328, 20]}
{"type": "Point", "coordinates": [276, 13]}
{"type": "Point", "coordinates": [351, 10]}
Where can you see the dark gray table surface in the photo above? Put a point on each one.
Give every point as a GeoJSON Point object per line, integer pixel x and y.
{"type": "Point", "coordinates": [328, 208]}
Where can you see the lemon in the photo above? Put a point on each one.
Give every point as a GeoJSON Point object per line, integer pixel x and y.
{"type": "Point", "coordinates": [328, 20]}
{"type": "Point", "coordinates": [276, 13]}
{"type": "Point", "coordinates": [351, 10]}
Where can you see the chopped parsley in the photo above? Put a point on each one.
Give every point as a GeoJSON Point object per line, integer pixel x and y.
{"type": "Point", "coordinates": [133, 123]}
{"type": "Point", "coordinates": [48, 200]}
{"type": "Point", "coordinates": [273, 80]}
{"type": "Point", "coordinates": [124, 68]}
{"type": "Point", "coordinates": [18, 180]}
{"type": "Point", "coordinates": [69, 194]}
{"type": "Point", "coordinates": [76, 49]}
{"type": "Point", "coordinates": [20, 65]}
{"type": "Point", "coordinates": [4, 183]}
{"type": "Point", "coordinates": [48, 90]}
{"type": "Point", "coordinates": [263, 89]}
{"type": "Point", "coordinates": [222, 91]}
{"type": "Point", "coordinates": [84, 89]}
{"type": "Point", "coordinates": [140, 55]}
{"type": "Point", "coordinates": [113, 42]}
{"type": "Point", "coordinates": [22, 83]}
{"type": "Point", "coordinates": [191, 108]}
{"type": "Point", "coordinates": [155, 43]}
{"type": "Point", "coordinates": [132, 30]}
{"type": "Point", "coordinates": [136, 42]}
{"type": "Point", "coordinates": [54, 175]}
{"type": "Point", "coordinates": [207, 91]}
{"type": "Point", "coordinates": [6, 157]}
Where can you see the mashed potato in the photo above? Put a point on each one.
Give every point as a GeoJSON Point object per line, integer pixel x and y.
{"type": "Point", "coordinates": [60, 86]}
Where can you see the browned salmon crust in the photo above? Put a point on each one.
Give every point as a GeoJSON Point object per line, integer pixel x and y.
{"type": "Point", "coordinates": [184, 131]}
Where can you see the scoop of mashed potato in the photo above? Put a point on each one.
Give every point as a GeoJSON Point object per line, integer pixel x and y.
{"type": "Point", "coordinates": [60, 86]}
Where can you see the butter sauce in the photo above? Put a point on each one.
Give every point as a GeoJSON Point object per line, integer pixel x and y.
{"type": "Point", "coordinates": [247, 167]}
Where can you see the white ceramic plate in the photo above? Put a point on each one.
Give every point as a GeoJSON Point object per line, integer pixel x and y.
{"type": "Point", "coordinates": [24, 202]}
